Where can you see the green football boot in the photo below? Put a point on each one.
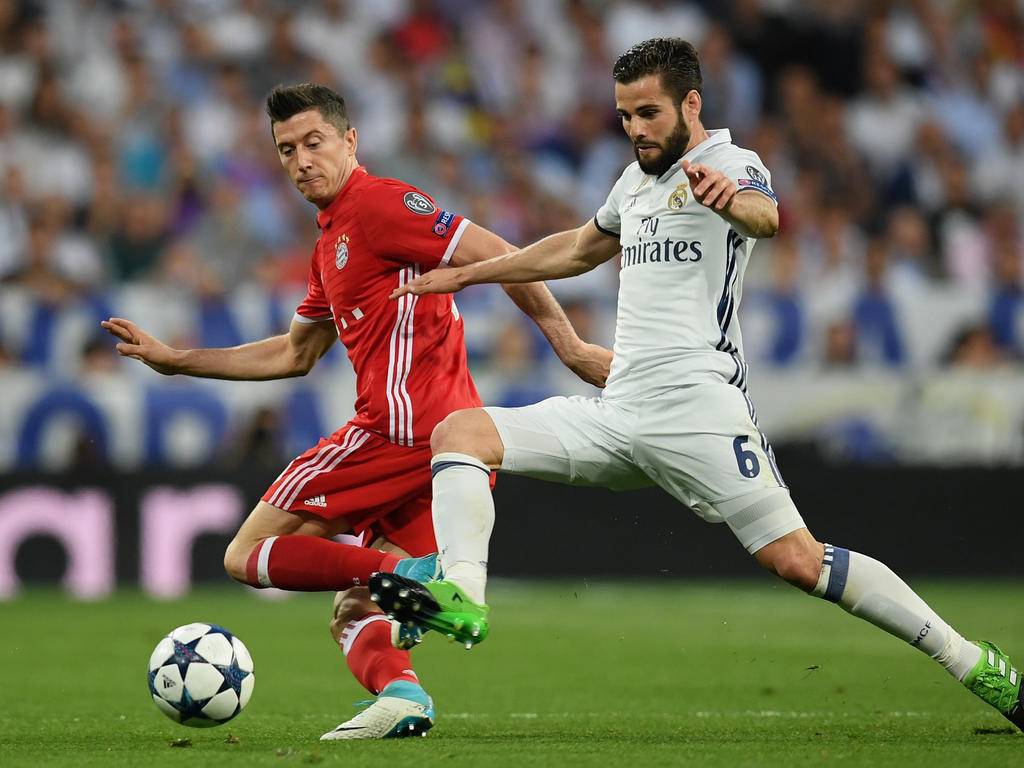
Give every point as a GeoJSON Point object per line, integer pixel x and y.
{"type": "Point", "coordinates": [405, 635]}
{"type": "Point", "coordinates": [437, 605]}
{"type": "Point", "coordinates": [996, 682]}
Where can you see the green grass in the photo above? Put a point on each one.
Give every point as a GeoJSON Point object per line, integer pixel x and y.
{"type": "Point", "coordinates": [573, 674]}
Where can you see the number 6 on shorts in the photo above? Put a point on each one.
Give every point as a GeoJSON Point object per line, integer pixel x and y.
{"type": "Point", "coordinates": [747, 461]}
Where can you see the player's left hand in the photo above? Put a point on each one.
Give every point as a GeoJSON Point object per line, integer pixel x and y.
{"type": "Point", "coordinates": [434, 281]}
{"type": "Point", "coordinates": [710, 187]}
{"type": "Point", "coordinates": [591, 362]}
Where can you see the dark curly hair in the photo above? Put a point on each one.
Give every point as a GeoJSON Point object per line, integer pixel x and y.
{"type": "Point", "coordinates": [284, 102]}
{"type": "Point", "coordinates": [671, 57]}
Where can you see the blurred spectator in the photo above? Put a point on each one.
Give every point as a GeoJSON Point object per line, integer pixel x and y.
{"type": "Point", "coordinates": [13, 222]}
{"type": "Point", "coordinates": [53, 159]}
{"type": "Point", "coordinates": [332, 30]}
{"type": "Point", "coordinates": [1000, 171]}
{"type": "Point", "coordinates": [282, 62]}
{"type": "Point", "coordinates": [1006, 302]}
{"type": "Point", "coordinates": [511, 377]}
{"type": "Point", "coordinates": [782, 307]}
{"type": "Point", "coordinates": [968, 117]}
{"type": "Point", "coordinates": [97, 359]}
{"type": "Point", "coordinates": [210, 121]}
{"type": "Point", "coordinates": [883, 120]}
{"type": "Point", "coordinates": [840, 345]}
{"type": "Point", "coordinates": [921, 179]}
{"type": "Point", "coordinates": [239, 32]}
{"type": "Point", "coordinates": [135, 246]}
{"type": "Point", "coordinates": [974, 348]}
{"type": "Point", "coordinates": [879, 336]}
{"type": "Point", "coordinates": [258, 447]}
{"type": "Point", "coordinates": [421, 36]}
{"type": "Point", "coordinates": [910, 249]}
{"type": "Point", "coordinates": [23, 49]}
{"type": "Point", "coordinates": [957, 226]}
{"type": "Point", "coordinates": [630, 21]}
{"type": "Point", "coordinates": [732, 86]}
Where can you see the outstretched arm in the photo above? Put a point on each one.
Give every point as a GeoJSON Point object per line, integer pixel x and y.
{"type": "Point", "coordinates": [276, 357]}
{"type": "Point", "coordinates": [588, 361]}
{"type": "Point", "coordinates": [565, 254]}
{"type": "Point", "coordinates": [751, 213]}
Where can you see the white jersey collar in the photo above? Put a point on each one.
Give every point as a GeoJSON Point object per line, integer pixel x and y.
{"type": "Point", "coordinates": [715, 137]}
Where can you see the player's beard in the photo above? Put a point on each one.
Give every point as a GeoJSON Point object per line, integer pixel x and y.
{"type": "Point", "coordinates": [671, 150]}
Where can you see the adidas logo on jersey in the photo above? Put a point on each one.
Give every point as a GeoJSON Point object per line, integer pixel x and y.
{"type": "Point", "coordinates": [317, 501]}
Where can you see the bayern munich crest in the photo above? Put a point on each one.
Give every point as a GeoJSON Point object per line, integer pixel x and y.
{"type": "Point", "coordinates": [341, 252]}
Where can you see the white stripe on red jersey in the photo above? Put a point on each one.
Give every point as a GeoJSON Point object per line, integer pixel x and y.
{"type": "Point", "coordinates": [325, 460]}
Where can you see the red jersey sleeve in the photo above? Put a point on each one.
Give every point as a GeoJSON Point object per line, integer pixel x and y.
{"type": "Point", "coordinates": [315, 306]}
{"type": "Point", "coordinates": [406, 225]}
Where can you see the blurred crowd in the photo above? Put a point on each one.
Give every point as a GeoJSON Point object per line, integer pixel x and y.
{"type": "Point", "coordinates": [138, 174]}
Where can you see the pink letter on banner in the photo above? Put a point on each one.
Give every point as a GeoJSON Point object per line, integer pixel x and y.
{"type": "Point", "coordinates": [83, 522]}
{"type": "Point", "coordinates": [171, 520]}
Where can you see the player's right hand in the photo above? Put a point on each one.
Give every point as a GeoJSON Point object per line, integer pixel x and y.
{"type": "Point", "coordinates": [138, 344]}
{"type": "Point", "coordinates": [592, 363]}
{"type": "Point", "coordinates": [434, 281]}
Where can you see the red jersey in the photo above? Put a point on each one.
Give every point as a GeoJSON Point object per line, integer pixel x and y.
{"type": "Point", "coordinates": [409, 354]}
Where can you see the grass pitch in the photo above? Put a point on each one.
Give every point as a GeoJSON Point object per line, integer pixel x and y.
{"type": "Point", "coordinates": [573, 674]}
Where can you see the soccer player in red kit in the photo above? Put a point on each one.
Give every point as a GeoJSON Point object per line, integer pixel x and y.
{"type": "Point", "coordinates": [372, 476]}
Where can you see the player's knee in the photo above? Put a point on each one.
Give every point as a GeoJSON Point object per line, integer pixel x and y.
{"type": "Point", "coordinates": [236, 557]}
{"type": "Point", "coordinates": [468, 431]}
{"type": "Point", "coordinates": [450, 434]}
{"type": "Point", "coordinates": [349, 605]}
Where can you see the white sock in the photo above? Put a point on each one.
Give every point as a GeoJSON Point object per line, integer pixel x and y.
{"type": "Point", "coordinates": [868, 589]}
{"type": "Point", "coordinates": [463, 519]}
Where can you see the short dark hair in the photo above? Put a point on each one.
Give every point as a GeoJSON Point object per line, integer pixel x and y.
{"type": "Point", "coordinates": [284, 102]}
{"type": "Point", "coordinates": [671, 57]}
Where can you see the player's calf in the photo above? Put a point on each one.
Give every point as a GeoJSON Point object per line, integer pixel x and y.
{"type": "Point", "coordinates": [795, 558]}
{"type": "Point", "coordinates": [349, 605]}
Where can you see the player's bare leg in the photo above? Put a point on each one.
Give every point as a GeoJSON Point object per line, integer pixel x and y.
{"type": "Point", "coordinates": [466, 447]}
{"type": "Point", "coordinates": [364, 634]}
{"type": "Point", "coordinates": [295, 551]}
{"type": "Point", "coordinates": [868, 589]}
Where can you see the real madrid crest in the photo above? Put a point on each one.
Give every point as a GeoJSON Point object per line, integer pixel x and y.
{"type": "Point", "coordinates": [341, 252]}
{"type": "Point", "coordinates": [678, 198]}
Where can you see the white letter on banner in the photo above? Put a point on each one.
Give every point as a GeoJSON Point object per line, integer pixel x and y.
{"type": "Point", "coordinates": [83, 522]}
{"type": "Point", "coordinates": [171, 521]}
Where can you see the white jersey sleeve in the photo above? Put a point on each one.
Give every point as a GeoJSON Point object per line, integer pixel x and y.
{"type": "Point", "coordinates": [746, 169]}
{"type": "Point", "coordinates": [607, 217]}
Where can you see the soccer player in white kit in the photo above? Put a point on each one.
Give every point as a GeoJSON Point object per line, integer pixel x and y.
{"type": "Point", "coordinates": [685, 218]}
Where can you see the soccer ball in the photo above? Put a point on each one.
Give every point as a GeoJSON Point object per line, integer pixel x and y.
{"type": "Point", "coordinates": [200, 675]}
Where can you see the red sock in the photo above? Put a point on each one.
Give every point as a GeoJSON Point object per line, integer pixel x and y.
{"type": "Point", "coordinates": [374, 661]}
{"type": "Point", "coordinates": [311, 564]}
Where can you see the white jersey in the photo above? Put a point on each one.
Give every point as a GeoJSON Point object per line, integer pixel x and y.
{"type": "Point", "coordinates": [681, 275]}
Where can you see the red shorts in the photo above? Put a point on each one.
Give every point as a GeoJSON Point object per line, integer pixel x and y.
{"type": "Point", "coordinates": [375, 485]}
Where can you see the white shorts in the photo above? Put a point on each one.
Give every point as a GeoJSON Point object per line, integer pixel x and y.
{"type": "Point", "coordinates": [699, 442]}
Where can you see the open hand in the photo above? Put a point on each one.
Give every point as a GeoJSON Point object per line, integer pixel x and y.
{"type": "Point", "coordinates": [138, 344]}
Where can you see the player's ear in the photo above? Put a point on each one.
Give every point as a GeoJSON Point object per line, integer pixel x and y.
{"type": "Point", "coordinates": [351, 140]}
{"type": "Point", "coordinates": [692, 103]}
